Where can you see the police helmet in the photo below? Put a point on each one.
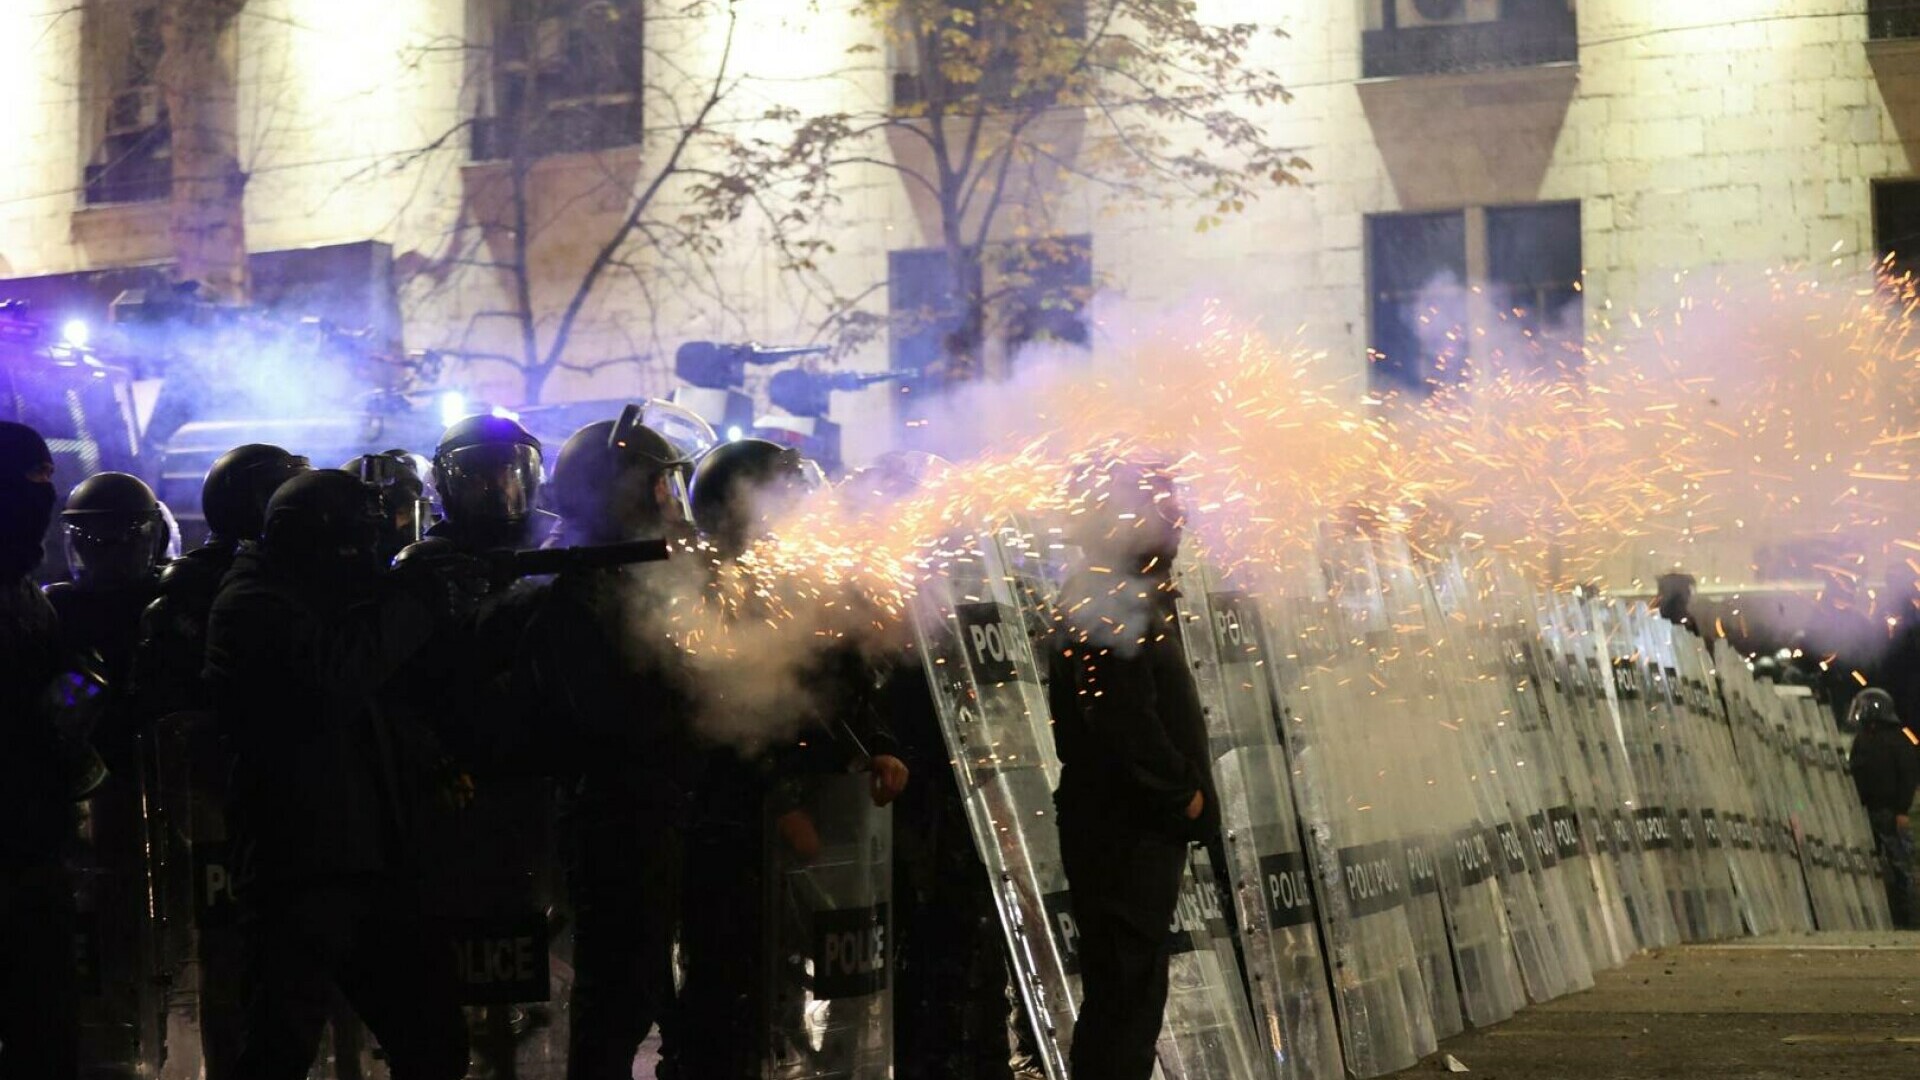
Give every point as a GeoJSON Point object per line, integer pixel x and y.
{"type": "Point", "coordinates": [234, 496]}
{"type": "Point", "coordinates": [739, 484]}
{"type": "Point", "coordinates": [405, 496]}
{"type": "Point", "coordinates": [621, 476]}
{"type": "Point", "coordinates": [116, 532]}
{"type": "Point", "coordinates": [488, 470]}
{"type": "Point", "coordinates": [326, 515]}
{"type": "Point", "coordinates": [1872, 706]}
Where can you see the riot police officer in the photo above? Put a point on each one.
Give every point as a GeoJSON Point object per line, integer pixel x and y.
{"type": "Point", "coordinates": [305, 639]}
{"type": "Point", "coordinates": [116, 541]}
{"type": "Point", "coordinates": [488, 858]}
{"type": "Point", "coordinates": [1886, 770]}
{"type": "Point", "coordinates": [38, 1024]}
{"type": "Point", "coordinates": [169, 693]}
{"type": "Point", "coordinates": [736, 996]}
{"type": "Point", "coordinates": [615, 698]}
{"type": "Point", "coordinates": [1135, 786]}
{"type": "Point", "coordinates": [488, 471]}
{"type": "Point", "coordinates": [405, 500]}
{"type": "Point", "coordinates": [116, 537]}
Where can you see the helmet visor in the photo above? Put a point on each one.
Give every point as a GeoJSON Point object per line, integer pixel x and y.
{"type": "Point", "coordinates": [490, 482]}
{"type": "Point", "coordinates": [106, 551]}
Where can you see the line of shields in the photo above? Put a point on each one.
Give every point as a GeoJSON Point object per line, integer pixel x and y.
{"type": "Point", "coordinates": [1444, 796]}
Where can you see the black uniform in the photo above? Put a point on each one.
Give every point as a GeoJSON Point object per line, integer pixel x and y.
{"type": "Point", "coordinates": [38, 1026]}
{"type": "Point", "coordinates": [488, 864]}
{"type": "Point", "coordinates": [1886, 770]}
{"type": "Point", "coordinates": [114, 860]}
{"type": "Point", "coordinates": [323, 784]}
{"type": "Point", "coordinates": [169, 693]}
{"type": "Point", "coordinates": [1133, 751]}
{"type": "Point", "coordinates": [616, 705]}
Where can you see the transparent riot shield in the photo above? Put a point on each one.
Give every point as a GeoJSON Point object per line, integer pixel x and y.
{"type": "Point", "coordinates": [1272, 890]}
{"type": "Point", "coordinates": [829, 992]}
{"type": "Point", "coordinates": [975, 624]}
{"type": "Point", "coordinates": [1466, 640]}
{"type": "Point", "coordinates": [993, 712]}
{"type": "Point", "coordinates": [1207, 1032]}
{"type": "Point", "coordinates": [1328, 640]}
{"type": "Point", "coordinates": [1584, 655]}
{"type": "Point", "coordinates": [1763, 830]}
{"type": "Point", "coordinates": [1550, 733]}
{"type": "Point", "coordinates": [1755, 887]}
{"type": "Point", "coordinates": [116, 933]}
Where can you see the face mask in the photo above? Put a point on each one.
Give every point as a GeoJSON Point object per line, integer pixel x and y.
{"type": "Point", "coordinates": [26, 508]}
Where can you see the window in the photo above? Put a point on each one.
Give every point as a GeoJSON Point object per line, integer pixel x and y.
{"type": "Point", "coordinates": [1533, 277]}
{"type": "Point", "coordinates": [1433, 37]}
{"type": "Point", "coordinates": [1038, 290]}
{"type": "Point", "coordinates": [1513, 272]}
{"type": "Point", "coordinates": [1896, 223]}
{"type": "Point", "coordinates": [1419, 271]}
{"type": "Point", "coordinates": [1891, 19]}
{"type": "Point", "coordinates": [925, 306]}
{"type": "Point", "coordinates": [133, 160]}
{"type": "Point", "coordinates": [566, 77]}
{"type": "Point", "coordinates": [999, 81]}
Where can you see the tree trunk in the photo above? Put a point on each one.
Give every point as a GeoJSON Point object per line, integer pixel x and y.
{"type": "Point", "coordinates": [966, 346]}
{"type": "Point", "coordinates": [207, 218]}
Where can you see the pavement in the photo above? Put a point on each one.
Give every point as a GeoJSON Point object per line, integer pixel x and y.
{"type": "Point", "coordinates": [1779, 1008]}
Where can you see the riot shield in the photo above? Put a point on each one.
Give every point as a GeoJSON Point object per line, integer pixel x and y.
{"type": "Point", "coordinates": [1331, 641]}
{"type": "Point", "coordinates": [1272, 891]}
{"type": "Point", "coordinates": [1465, 638]}
{"type": "Point", "coordinates": [1207, 1032]}
{"type": "Point", "coordinates": [1582, 655]}
{"type": "Point", "coordinates": [993, 713]}
{"type": "Point", "coordinates": [828, 951]}
{"type": "Point", "coordinates": [1763, 831]}
{"type": "Point", "coordinates": [974, 624]}
{"type": "Point", "coordinates": [116, 933]}
{"type": "Point", "coordinates": [1548, 732]}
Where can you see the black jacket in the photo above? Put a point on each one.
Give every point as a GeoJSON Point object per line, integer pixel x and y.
{"type": "Point", "coordinates": [322, 778]}
{"type": "Point", "coordinates": [171, 651]}
{"type": "Point", "coordinates": [36, 815]}
{"type": "Point", "coordinates": [612, 702]}
{"type": "Point", "coordinates": [1886, 768]}
{"type": "Point", "coordinates": [1127, 720]}
{"type": "Point", "coordinates": [107, 624]}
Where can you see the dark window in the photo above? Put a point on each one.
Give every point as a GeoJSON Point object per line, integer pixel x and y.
{"type": "Point", "coordinates": [1418, 269]}
{"type": "Point", "coordinates": [1533, 280]}
{"type": "Point", "coordinates": [134, 160]}
{"type": "Point", "coordinates": [1893, 19]}
{"type": "Point", "coordinates": [1896, 222]}
{"type": "Point", "coordinates": [927, 314]}
{"type": "Point", "coordinates": [1000, 79]}
{"type": "Point", "coordinates": [1432, 37]}
{"type": "Point", "coordinates": [566, 78]}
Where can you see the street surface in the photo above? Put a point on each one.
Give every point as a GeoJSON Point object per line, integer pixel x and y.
{"type": "Point", "coordinates": [1781, 1008]}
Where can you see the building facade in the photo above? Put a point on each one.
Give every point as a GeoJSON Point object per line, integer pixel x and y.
{"type": "Point", "coordinates": [1472, 161]}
